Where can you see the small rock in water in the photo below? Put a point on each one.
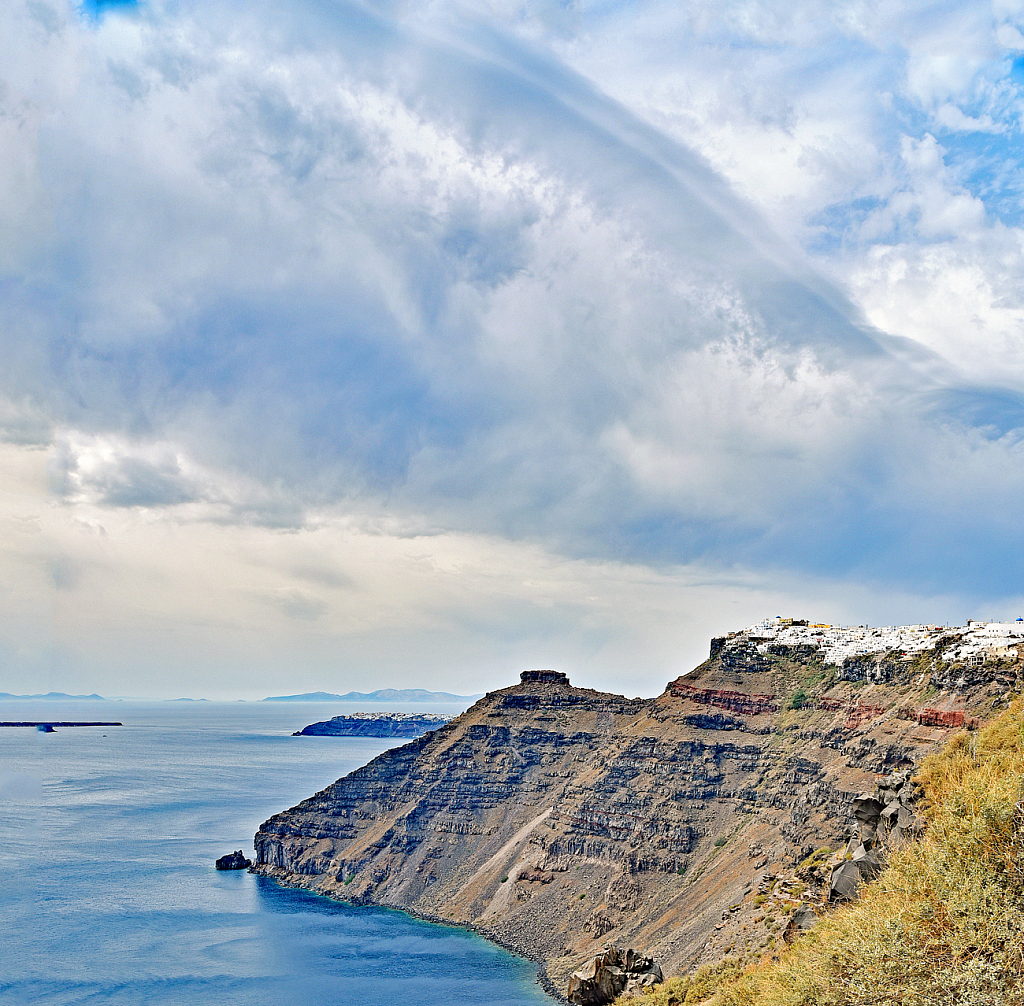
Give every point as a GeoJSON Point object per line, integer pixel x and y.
{"type": "Point", "coordinates": [234, 861]}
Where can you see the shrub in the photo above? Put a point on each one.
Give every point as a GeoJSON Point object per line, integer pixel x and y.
{"type": "Point", "coordinates": [817, 858]}
{"type": "Point", "coordinates": [720, 841]}
{"type": "Point", "coordinates": [690, 989]}
{"type": "Point", "coordinates": [799, 698]}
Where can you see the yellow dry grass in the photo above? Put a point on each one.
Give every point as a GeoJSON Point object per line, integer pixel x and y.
{"type": "Point", "coordinates": [943, 926]}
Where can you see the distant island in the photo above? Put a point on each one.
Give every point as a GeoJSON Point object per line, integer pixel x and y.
{"type": "Point", "coordinates": [52, 696]}
{"type": "Point", "coordinates": [375, 725]}
{"type": "Point", "coordinates": [381, 695]}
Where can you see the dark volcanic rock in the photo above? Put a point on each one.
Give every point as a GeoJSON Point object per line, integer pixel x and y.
{"type": "Point", "coordinates": [883, 819]}
{"type": "Point", "coordinates": [546, 677]}
{"type": "Point", "coordinates": [610, 974]}
{"type": "Point", "coordinates": [233, 861]}
{"type": "Point", "coordinates": [801, 921]}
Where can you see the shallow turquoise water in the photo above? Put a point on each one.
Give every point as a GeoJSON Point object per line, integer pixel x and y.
{"type": "Point", "coordinates": [109, 894]}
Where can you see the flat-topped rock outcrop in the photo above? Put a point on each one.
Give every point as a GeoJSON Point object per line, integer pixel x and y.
{"type": "Point", "coordinates": [558, 819]}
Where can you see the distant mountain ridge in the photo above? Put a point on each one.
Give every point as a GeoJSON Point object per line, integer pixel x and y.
{"type": "Point", "coordinates": [52, 696]}
{"type": "Point", "coordinates": [381, 695]}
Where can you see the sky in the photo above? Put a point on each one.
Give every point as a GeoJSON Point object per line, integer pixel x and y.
{"type": "Point", "coordinates": [412, 344]}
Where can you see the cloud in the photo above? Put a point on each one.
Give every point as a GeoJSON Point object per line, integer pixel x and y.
{"type": "Point", "coordinates": [658, 288]}
{"type": "Point", "coordinates": [119, 479]}
{"type": "Point", "coordinates": [234, 610]}
{"type": "Point", "coordinates": [25, 424]}
{"type": "Point", "coordinates": [298, 604]}
{"type": "Point", "coordinates": [952, 118]}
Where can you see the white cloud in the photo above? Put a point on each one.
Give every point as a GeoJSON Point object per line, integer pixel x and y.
{"type": "Point", "coordinates": [948, 297]}
{"type": "Point", "coordinates": [948, 116]}
{"type": "Point", "coordinates": [1009, 37]}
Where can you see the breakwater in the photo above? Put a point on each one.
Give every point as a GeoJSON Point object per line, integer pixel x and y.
{"type": "Point", "coordinates": [56, 723]}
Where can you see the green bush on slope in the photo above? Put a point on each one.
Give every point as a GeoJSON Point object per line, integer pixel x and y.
{"type": "Point", "coordinates": [943, 926]}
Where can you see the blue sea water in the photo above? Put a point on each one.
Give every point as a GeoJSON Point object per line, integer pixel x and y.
{"type": "Point", "coordinates": [108, 893]}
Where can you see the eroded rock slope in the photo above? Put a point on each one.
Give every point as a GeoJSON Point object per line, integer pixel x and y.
{"type": "Point", "coordinates": [559, 819]}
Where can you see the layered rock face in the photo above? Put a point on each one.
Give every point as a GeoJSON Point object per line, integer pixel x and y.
{"type": "Point", "coordinates": [559, 820]}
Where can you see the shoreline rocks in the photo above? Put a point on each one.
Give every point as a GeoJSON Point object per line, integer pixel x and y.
{"type": "Point", "coordinates": [233, 861]}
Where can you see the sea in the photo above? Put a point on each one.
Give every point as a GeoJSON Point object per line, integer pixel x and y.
{"type": "Point", "coordinates": [108, 891]}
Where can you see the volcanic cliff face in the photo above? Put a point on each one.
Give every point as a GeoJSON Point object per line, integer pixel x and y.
{"type": "Point", "coordinates": [559, 819]}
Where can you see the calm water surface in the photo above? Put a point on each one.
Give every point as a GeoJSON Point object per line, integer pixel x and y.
{"type": "Point", "coordinates": [108, 891]}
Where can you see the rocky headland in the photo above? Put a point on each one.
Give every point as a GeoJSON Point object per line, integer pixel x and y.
{"type": "Point", "coordinates": [721, 816]}
{"type": "Point", "coordinates": [375, 725]}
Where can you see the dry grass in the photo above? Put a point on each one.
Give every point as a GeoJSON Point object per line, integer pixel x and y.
{"type": "Point", "coordinates": [943, 926]}
{"type": "Point", "coordinates": [692, 989]}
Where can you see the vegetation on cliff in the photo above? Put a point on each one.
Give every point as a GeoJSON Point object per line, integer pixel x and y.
{"type": "Point", "coordinates": [943, 925]}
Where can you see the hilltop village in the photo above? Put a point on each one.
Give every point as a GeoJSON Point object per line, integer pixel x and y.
{"type": "Point", "coordinates": [973, 643]}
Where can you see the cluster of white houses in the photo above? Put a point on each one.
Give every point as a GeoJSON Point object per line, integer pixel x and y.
{"type": "Point", "coordinates": [398, 717]}
{"type": "Point", "coordinates": [973, 643]}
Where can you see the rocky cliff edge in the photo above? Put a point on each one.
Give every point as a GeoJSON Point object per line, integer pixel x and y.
{"type": "Point", "coordinates": [557, 820]}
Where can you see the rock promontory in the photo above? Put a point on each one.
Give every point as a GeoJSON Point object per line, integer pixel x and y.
{"type": "Point", "coordinates": [559, 821]}
{"type": "Point", "coordinates": [375, 725]}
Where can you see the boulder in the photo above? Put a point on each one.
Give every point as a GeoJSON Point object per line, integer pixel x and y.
{"type": "Point", "coordinates": [535, 875]}
{"type": "Point", "coordinates": [233, 861]}
{"type": "Point", "coordinates": [869, 863]}
{"type": "Point", "coordinates": [610, 974]}
{"type": "Point", "coordinates": [802, 919]}
{"type": "Point", "coordinates": [867, 811]}
{"type": "Point", "coordinates": [845, 880]}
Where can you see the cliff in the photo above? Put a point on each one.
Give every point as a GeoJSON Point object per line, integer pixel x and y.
{"type": "Point", "coordinates": [941, 925]}
{"type": "Point", "coordinates": [558, 819]}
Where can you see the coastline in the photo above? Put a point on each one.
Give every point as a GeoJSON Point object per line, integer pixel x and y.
{"type": "Point", "coordinates": [510, 947]}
